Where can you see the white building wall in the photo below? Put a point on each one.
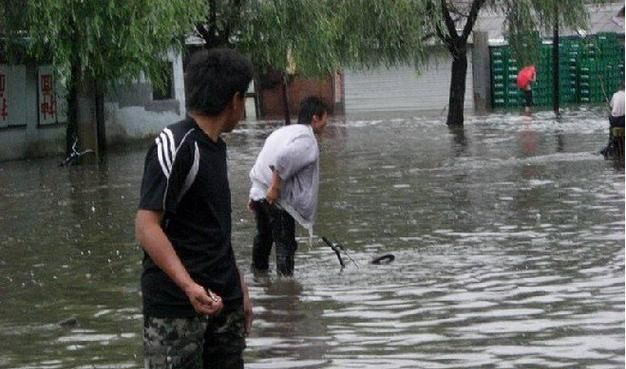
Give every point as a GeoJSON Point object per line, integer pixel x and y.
{"type": "Point", "coordinates": [21, 135]}
{"type": "Point", "coordinates": [145, 117]}
{"type": "Point", "coordinates": [135, 122]}
{"type": "Point", "coordinates": [129, 114]}
{"type": "Point", "coordinates": [403, 88]}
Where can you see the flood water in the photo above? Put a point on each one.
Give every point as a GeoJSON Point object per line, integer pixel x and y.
{"type": "Point", "coordinates": [508, 239]}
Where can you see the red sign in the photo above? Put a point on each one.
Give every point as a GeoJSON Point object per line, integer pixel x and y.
{"type": "Point", "coordinates": [48, 106]}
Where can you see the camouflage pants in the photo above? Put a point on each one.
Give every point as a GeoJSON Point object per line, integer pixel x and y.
{"type": "Point", "coordinates": [194, 343]}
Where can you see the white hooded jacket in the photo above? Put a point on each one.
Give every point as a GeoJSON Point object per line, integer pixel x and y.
{"type": "Point", "coordinates": [292, 150]}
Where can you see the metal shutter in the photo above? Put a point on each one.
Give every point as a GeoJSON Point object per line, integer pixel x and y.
{"type": "Point", "coordinates": [401, 88]}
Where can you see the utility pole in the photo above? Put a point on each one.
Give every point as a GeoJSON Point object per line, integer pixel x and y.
{"type": "Point", "coordinates": [555, 62]}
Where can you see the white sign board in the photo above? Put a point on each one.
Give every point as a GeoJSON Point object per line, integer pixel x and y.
{"type": "Point", "coordinates": [47, 102]}
{"type": "Point", "coordinates": [12, 95]}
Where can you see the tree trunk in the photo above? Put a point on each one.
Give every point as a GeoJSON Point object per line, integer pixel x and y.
{"type": "Point", "coordinates": [456, 99]}
{"type": "Point", "coordinates": [86, 120]}
{"type": "Point", "coordinates": [284, 85]}
{"type": "Point", "coordinates": [71, 130]}
{"type": "Point", "coordinates": [100, 127]}
{"type": "Point", "coordinates": [83, 100]}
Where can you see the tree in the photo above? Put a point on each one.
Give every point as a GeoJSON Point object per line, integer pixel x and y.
{"type": "Point", "coordinates": [456, 43]}
{"type": "Point", "coordinates": [281, 36]}
{"type": "Point", "coordinates": [317, 37]}
{"type": "Point", "coordinates": [324, 35]}
{"type": "Point", "coordinates": [98, 44]}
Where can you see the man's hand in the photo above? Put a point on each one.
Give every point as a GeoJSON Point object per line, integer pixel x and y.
{"type": "Point", "coordinates": [250, 205]}
{"type": "Point", "coordinates": [204, 301]}
{"type": "Point", "coordinates": [152, 239]}
{"type": "Point", "coordinates": [273, 194]}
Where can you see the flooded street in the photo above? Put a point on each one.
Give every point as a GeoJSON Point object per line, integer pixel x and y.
{"type": "Point", "coordinates": [508, 239]}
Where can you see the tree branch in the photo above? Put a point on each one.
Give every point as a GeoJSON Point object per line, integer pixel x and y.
{"type": "Point", "coordinates": [442, 36]}
{"type": "Point", "coordinates": [452, 9]}
{"type": "Point", "coordinates": [448, 20]}
{"type": "Point", "coordinates": [212, 18]}
{"type": "Point", "coordinates": [471, 19]}
{"type": "Point", "coordinates": [232, 21]}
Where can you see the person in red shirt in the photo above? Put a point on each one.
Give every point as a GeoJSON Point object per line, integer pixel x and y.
{"type": "Point", "coordinates": [525, 78]}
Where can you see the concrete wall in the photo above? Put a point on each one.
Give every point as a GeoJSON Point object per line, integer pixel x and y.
{"type": "Point", "coordinates": [271, 99]}
{"type": "Point", "coordinates": [21, 135]}
{"type": "Point", "coordinates": [481, 71]}
{"type": "Point", "coordinates": [131, 113]}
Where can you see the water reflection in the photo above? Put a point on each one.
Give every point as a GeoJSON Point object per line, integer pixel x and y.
{"type": "Point", "coordinates": [459, 140]}
{"type": "Point", "coordinates": [293, 327]}
{"type": "Point", "coordinates": [508, 236]}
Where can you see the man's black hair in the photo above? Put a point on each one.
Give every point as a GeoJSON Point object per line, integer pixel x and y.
{"type": "Point", "coordinates": [309, 107]}
{"type": "Point", "coordinates": [212, 78]}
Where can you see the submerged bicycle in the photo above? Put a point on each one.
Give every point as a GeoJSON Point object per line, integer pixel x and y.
{"type": "Point", "coordinates": [74, 157]}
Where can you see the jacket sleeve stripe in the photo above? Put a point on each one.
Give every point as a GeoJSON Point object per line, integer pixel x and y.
{"type": "Point", "coordinates": [164, 167]}
{"type": "Point", "coordinates": [165, 148]}
{"type": "Point", "coordinates": [172, 143]}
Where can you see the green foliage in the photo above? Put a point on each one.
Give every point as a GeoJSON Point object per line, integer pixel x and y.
{"type": "Point", "coordinates": [106, 40]}
{"type": "Point", "coordinates": [522, 34]}
{"type": "Point", "coordinates": [300, 28]}
{"type": "Point", "coordinates": [381, 32]}
{"type": "Point", "coordinates": [319, 36]}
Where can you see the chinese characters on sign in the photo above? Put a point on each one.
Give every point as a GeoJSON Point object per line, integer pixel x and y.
{"type": "Point", "coordinates": [48, 104]}
{"type": "Point", "coordinates": [47, 107]}
{"type": "Point", "coordinates": [25, 99]}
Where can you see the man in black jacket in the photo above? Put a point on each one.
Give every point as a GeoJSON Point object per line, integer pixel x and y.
{"type": "Point", "coordinates": [195, 302]}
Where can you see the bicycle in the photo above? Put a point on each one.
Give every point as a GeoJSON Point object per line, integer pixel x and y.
{"type": "Point", "coordinates": [74, 156]}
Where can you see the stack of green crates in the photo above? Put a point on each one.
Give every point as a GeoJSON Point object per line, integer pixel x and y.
{"type": "Point", "coordinates": [601, 68]}
{"type": "Point", "coordinates": [542, 88]}
{"type": "Point", "coordinates": [590, 70]}
{"type": "Point", "coordinates": [504, 91]}
{"type": "Point", "coordinates": [569, 52]}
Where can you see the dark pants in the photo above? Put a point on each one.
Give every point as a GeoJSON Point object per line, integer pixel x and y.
{"type": "Point", "coordinates": [274, 225]}
{"type": "Point", "coordinates": [225, 340]}
{"type": "Point", "coordinates": [528, 98]}
{"type": "Point", "coordinates": [615, 147]}
{"type": "Point", "coordinates": [616, 121]}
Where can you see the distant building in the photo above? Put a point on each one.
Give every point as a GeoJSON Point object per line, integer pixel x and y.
{"type": "Point", "coordinates": [402, 88]}
{"type": "Point", "coordinates": [33, 110]}
{"type": "Point", "coordinates": [591, 61]}
{"type": "Point", "coordinates": [33, 113]}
